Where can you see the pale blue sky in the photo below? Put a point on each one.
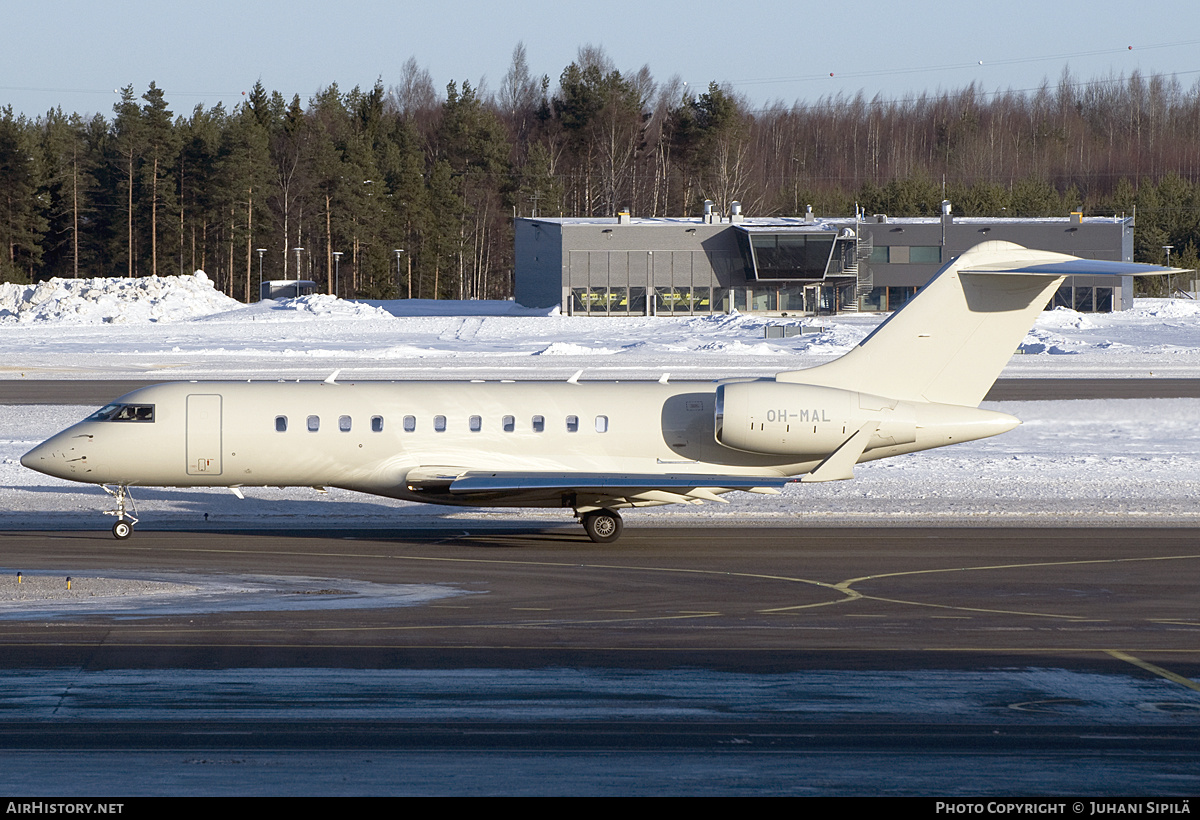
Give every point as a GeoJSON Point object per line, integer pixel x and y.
{"type": "Point", "coordinates": [74, 53]}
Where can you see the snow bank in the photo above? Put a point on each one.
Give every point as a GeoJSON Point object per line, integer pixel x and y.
{"type": "Point", "coordinates": [112, 301]}
{"type": "Point", "coordinates": [305, 308]}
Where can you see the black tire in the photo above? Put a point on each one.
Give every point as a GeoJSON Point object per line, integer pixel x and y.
{"type": "Point", "coordinates": [603, 526]}
{"type": "Point", "coordinates": [122, 530]}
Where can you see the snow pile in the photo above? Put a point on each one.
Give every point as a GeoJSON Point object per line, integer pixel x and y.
{"type": "Point", "coordinates": [449, 307]}
{"type": "Point", "coordinates": [571, 349]}
{"type": "Point", "coordinates": [314, 306]}
{"type": "Point", "coordinates": [1165, 309]}
{"type": "Point", "coordinates": [112, 301]}
{"type": "Point", "coordinates": [1064, 317]}
{"type": "Point", "coordinates": [1042, 341]}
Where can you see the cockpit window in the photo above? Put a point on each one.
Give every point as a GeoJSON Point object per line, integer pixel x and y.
{"type": "Point", "coordinates": [124, 412]}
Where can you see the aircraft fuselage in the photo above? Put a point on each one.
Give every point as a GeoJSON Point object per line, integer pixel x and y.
{"type": "Point", "coordinates": [395, 438]}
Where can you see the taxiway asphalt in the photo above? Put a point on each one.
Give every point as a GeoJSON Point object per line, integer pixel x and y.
{"type": "Point", "coordinates": [99, 392]}
{"type": "Point", "coordinates": [686, 660]}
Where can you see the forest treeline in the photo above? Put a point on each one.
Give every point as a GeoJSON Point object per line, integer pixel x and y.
{"type": "Point", "coordinates": [416, 189]}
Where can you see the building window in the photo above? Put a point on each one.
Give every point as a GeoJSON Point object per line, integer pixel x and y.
{"type": "Point", "coordinates": [1083, 299]}
{"type": "Point", "coordinates": [925, 255]}
{"type": "Point", "coordinates": [874, 301]}
{"type": "Point", "coordinates": [899, 297]}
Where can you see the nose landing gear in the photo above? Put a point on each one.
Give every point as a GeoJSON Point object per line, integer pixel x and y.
{"type": "Point", "coordinates": [123, 528]}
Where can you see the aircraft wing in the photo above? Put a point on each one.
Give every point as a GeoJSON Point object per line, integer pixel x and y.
{"type": "Point", "coordinates": [590, 489]}
{"type": "Point", "coordinates": [612, 483]}
{"type": "Point", "coordinates": [595, 490]}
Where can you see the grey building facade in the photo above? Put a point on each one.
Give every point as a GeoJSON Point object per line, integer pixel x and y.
{"type": "Point", "coordinates": [713, 264]}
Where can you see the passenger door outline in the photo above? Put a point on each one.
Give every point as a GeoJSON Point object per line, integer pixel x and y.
{"type": "Point", "coordinates": [204, 434]}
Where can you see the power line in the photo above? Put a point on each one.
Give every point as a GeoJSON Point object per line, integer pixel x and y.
{"type": "Point", "coordinates": [892, 71]}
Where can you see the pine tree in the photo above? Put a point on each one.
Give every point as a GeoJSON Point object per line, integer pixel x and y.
{"type": "Point", "coordinates": [22, 215]}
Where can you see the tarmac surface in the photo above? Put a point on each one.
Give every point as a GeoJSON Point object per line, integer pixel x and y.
{"type": "Point", "coordinates": [741, 661]}
{"type": "Point", "coordinates": [99, 392]}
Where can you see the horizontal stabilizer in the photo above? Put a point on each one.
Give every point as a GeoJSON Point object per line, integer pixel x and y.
{"type": "Point", "coordinates": [1073, 266]}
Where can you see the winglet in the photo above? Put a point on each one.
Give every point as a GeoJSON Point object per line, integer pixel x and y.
{"type": "Point", "coordinates": [575, 379]}
{"type": "Point", "coordinates": [333, 377]}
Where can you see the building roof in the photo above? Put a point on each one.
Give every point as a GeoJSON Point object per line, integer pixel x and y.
{"type": "Point", "coordinates": [820, 223]}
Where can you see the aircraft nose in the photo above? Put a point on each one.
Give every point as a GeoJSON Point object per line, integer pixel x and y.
{"type": "Point", "coordinates": [51, 458]}
{"type": "Point", "coordinates": [36, 457]}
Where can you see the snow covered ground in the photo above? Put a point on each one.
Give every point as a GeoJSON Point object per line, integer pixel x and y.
{"type": "Point", "coordinates": [1086, 462]}
{"type": "Point", "coordinates": [180, 327]}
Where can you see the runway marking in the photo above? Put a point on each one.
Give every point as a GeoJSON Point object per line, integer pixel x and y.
{"type": "Point", "coordinates": [1155, 670]}
{"type": "Point", "coordinates": [849, 594]}
{"type": "Point", "coordinates": [1073, 618]}
{"type": "Point", "coordinates": [1020, 566]}
{"type": "Point", "coordinates": [926, 604]}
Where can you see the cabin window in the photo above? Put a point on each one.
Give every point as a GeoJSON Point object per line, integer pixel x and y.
{"type": "Point", "coordinates": [376, 424]}
{"type": "Point", "coordinates": [124, 412]}
{"type": "Point", "coordinates": [539, 424]}
{"type": "Point", "coordinates": [601, 424]}
{"type": "Point", "coordinates": [410, 424]}
{"type": "Point", "coordinates": [510, 423]}
{"type": "Point", "coordinates": [476, 424]}
{"type": "Point", "coordinates": [439, 424]}
{"type": "Point", "coordinates": [314, 424]}
{"type": "Point", "coordinates": [572, 424]}
{"type": "Point", "coordinates": [281, 424]}
{"type": "Point", "coordinates": [344, 424]}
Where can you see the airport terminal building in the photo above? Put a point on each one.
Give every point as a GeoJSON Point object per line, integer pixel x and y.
{"type": "Point", "coordinates": [797, 265]}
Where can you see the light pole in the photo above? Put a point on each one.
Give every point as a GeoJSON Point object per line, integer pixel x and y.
{"type": "Point", "coordinates": [337, 258]}
{"type": "Point", "coordinates": [1170, 276]}
{"type": "Point", "coordinates": [260, 252]}
{"type": "Point", "coordinates": [298, 252]}
{"type": "Point", "coordinates": [399, 251]}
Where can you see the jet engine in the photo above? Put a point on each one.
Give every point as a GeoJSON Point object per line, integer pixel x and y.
{"type": "Point", "coordinates": [799, 419]}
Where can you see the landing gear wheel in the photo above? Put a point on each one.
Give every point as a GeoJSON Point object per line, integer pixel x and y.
{"type": "Point", "coordinates": [122, 530]}
{"type": "Point", "coordinates": [603, 526]}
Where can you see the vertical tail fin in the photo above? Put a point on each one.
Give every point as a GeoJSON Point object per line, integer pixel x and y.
{"type": "Point", "coordinates": [949, 343]}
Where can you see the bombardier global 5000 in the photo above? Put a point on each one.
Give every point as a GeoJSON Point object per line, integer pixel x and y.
{"type": "Point", "coordinates": [915, 383]}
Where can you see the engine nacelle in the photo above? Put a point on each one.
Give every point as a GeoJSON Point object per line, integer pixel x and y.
{"type": "Point", "coordinates": [799, 419]}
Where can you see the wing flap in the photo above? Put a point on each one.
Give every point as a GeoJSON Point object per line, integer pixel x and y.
{"type": "Point", "coordinates": [611, 483]}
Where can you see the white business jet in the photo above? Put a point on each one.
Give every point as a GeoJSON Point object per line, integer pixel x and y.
{"type": "Point", "coordinates": [914, 384]}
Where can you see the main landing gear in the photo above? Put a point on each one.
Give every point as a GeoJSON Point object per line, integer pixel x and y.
{"type": "Point", "coordinates": [125, 521]}
{"type": "Point", "coordinates": [603, 526]}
